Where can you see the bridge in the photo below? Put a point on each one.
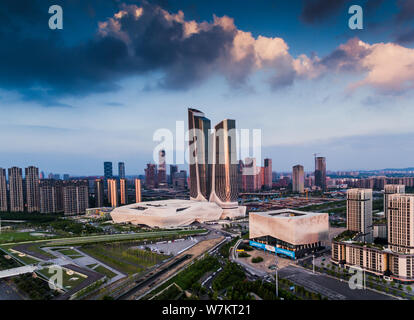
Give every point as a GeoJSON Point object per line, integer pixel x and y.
{"type": "Point", "coordinates": [18, 271]}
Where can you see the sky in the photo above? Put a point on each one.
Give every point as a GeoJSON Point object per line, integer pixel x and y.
{"type": "Point", "coordinates": [118, 71]}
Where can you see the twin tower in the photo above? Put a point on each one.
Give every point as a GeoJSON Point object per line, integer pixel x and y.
{"type": "Point", "coordinates": [213, 162]}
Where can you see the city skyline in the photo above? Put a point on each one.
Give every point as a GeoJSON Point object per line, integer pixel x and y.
{"type": "Point", "coordinates": [72, 120]}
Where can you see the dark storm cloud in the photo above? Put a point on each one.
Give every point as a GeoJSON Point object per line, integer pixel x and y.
{"type": "Point", "coordinates": [406, 12]}
{"type": "Point", "coordinates": [41, 66]}
{"type": "Point", "coordinates": [316, 11]}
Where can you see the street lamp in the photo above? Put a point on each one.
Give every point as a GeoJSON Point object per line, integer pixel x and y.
{"type": "Point", "coordinates": [313, 263]}
{"type": "Point", "coordinates": [276, 278]}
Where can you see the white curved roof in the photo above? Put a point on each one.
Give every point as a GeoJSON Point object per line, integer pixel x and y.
{"type": "Point", "coordinates": [171, 213]}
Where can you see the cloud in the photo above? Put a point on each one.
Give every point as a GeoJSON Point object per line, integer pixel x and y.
{"type": "Point", "coordinates": [317, 11]}
{"type": "Point", "coordinates": [145, 39]}
{"type": "Point", "coordinates": [386, 67]}
{"type": "Point", "coordinates": [139, 40]}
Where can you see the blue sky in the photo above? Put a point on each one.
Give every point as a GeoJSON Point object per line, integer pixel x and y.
{"type": "Point", "coordinates": [98, 89]}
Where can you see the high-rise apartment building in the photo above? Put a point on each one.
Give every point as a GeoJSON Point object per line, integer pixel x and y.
{"type": "Point", "coordinates": [16, 189]}
{"type": "Point", "coordinates": [388, 190]}
{"type": "Point", "coordinates": [121, 170]}
{"type": "Point", "coordinates": [51, 196]}
{"type": "Point", "coordinates": [138, 190]}
{"type": "Point", "coordinates": [113, 192]}
{"type": "Point", "coordinates": [359, 212]}
{"type": "Point", "coordinates": [298, 179]}
{"type": "Point", "coordinates": [123, 188]}
{"type": "Point", "coordinates": [200, 160]}
{"type": "Point", "coordinates": [320, 172]}
{"type": "Point", "coordinates": [99, 193]}
{"type": "Point", "coordinates": [75, 197]}
{"type": "Point", "coordinates": [151, 176]}
{"type": "Point", "coordinates": [3, 191]}
{"type": "Point", "coordinates": [32, 189]}
{"type": "Point", "coordinates": [400, 223]}
{"type": "Point", "coordinates": [268, 173]}
{"type": "Point", "coordinates": [108, 170]}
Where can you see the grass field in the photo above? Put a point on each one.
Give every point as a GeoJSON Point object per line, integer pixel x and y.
{"type": "Point", "coordinates": [12, 237]}
{"type": "Point", "coordinates": [69, 279]}
{"type": "Point", "coordinates": [121, 257]}
{"type": "Point", "coordinates": [102, 270]}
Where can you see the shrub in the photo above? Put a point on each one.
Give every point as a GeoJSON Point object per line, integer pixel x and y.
{"type": "Point", "coordinates": [257, 259]}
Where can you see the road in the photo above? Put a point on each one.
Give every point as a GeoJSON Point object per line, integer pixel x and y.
{"type": "Point", "coordinates": [331, 288]}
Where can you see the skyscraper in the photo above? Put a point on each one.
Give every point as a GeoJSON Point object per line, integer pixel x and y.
{"type": "Point", "coordinates": [76, 197]}
{"type": "Point", "coordinates": [121, 170]}
{"type": "Point", "coordinates": [268, 173]}
{"type": "Point", "coordinates": [16, 190]}
{"type": "Point", "coordinates": [137, 190]}
{"type": "Point", "coordinates": [151, 176]}
{"type": "Point", "coordinates": [388, 190]}
{"type": "Point", "coordinates": [3, 190]}
{"type": "Point", "coordinates": [359, 212]}
{"type": "Point", "coordinates": [320, 172]}
{"type": "Point", "coordinates": [108, 170]}
{"type": "Point", "coordinates": [298, 179]}
{"type": "Point", "coordinates": [123, 191]}
{"type": "Point", "coordinates": [32, 189]}
{"type": "Point", "coordinates": [224, 170]}
{"type": "Point", "coordinates": [200, 175]}
{"type": "Point", "coordinates": [113, 192]}
{"type": "Point", "coordinates": [162, 169]}
{"type": "Point", "coordinates": [99, 193]}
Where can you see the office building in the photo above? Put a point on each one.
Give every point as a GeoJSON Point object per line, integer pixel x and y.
{"type": "Point", "coordinates": [99, 193]}
{"type": "Point", "coordinates": [121, 170]}
{"type": "Point", "coordinates": [16, 190]}
{"type": "Point", "coordinates": [113, 192]}
{"type": "Point", "coordinates": [224, 169]}
{"type": "Point", "coordinates": [138, 190]}
{"type": "Point", "coordinates": [123, 190]}
{"type": "Point", "coordinates": [200, 160]}
{"type": "Point", "coordinates": [75, 197]}
{"type": "Point", "coordinates": [298, 179]}
{"type": "Point", "coordinates": [320, 172]}
{"type": "Point", "coordinates": [3, 191]}
{"type": "Point", "coordinates": [32, 189]}
{"type": "Point", "coordinates": [108, 170]}
{"type": "Point", "coordinates": [268, 181]}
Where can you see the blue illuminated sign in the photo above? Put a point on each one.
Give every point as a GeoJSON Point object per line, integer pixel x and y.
{"type": "Point", "coordinates": [263, 246]}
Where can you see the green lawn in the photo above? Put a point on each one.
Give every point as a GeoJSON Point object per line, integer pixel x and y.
{"type": "Point", "coordinates": [12, 236]}
{"type": "Point", "coordinates": [102, 270]}
{"type": "Point", "coordinates": [122, 257]}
